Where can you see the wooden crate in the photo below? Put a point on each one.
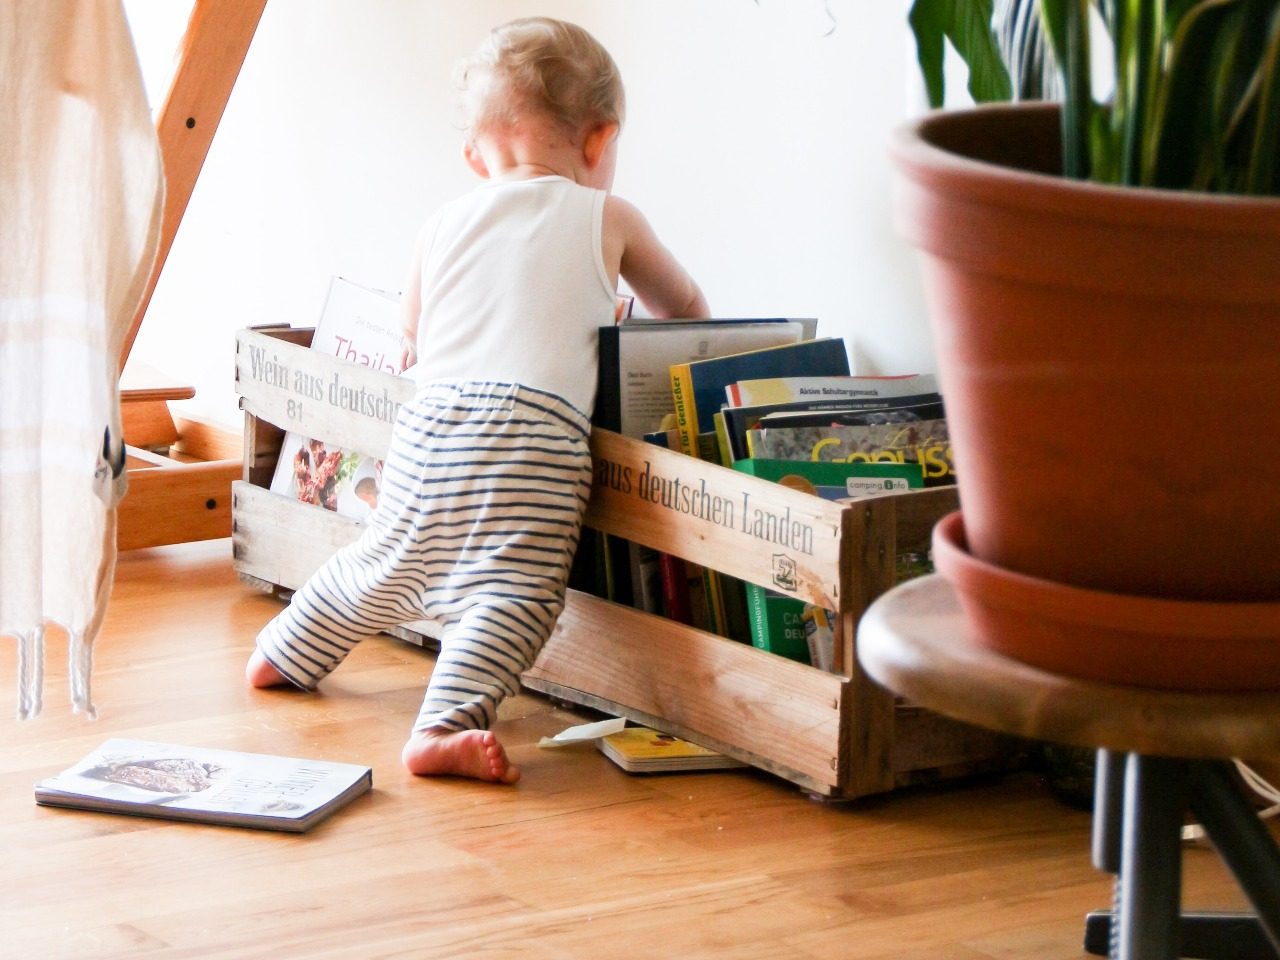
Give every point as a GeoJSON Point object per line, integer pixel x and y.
{"type": "Point", "coordinates": [836, 735]}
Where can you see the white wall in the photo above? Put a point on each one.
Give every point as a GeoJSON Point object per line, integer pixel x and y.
{"type": "Point", "coordinates": [755, 144]}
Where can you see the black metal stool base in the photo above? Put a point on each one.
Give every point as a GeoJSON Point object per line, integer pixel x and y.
{"type": "Point", "coordinates": [1137, 836]}
{"type": "Point", "coordinates": [1204, 936]}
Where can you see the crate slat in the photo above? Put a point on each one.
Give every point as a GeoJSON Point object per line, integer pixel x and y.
{"type": "Point", "coordinates": [745, 702]}
{"type": "Point", "coordinates": [737, 524]}
{"type": "Point", "coordinates": [323, 397]}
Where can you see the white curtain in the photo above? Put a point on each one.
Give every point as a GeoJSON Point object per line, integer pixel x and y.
{"type": "Point", "coordinates": [80, 204]}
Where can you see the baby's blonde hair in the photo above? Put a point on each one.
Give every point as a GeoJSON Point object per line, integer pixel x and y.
{"type": "Point", "coordinates": [543, 68]}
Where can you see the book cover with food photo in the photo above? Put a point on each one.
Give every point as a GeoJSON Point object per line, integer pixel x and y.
{"type": "Point", "coordinates": [205, 785]}
{"type": "Point", "coordinates": [361, 325]}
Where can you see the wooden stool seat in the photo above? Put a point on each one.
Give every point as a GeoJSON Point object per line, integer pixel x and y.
{"type": "Point", "coordinates": [1160, 754]}
{"type": "Point", "coordinates": [915, 641]}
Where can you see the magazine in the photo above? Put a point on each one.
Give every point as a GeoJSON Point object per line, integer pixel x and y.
{"type": "Point", "coordinates": [926, 442]}
{"type": "Point", "coordinates": [204, 785]}
{"type": "Point", "coordinates": [738, 420]}
{"type": "Point", "coordinates": [361, 325]}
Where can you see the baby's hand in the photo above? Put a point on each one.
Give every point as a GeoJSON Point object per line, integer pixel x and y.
{"type": "Point", "coordinates": [408, 353]}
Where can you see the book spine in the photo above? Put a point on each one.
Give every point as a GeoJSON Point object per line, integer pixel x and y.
{"type": "Point", "coordinates": [723, 445]}
{"type": "Point", "coordinates": [715, 602]}
{"type": "Point", "coordinates": [646, 578]}
{"type": "Point", "coordinates": [758, 616]}
{"type": "Point", "coordinates": [777, 623]}
{"type": "Point", "coordinates": [675, 589]}
{"type": "Point", "coordinates": [686, 412]}
{"type": "Point", "coordinates": [820, 636]}
{"type": "Point", "coordinates": [608, 411]}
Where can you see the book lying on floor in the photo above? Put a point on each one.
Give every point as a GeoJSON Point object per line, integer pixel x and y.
{"type": "Point", "coordinates": [203, 785]}
{"type": "Point", "coordinates": [643, 750]}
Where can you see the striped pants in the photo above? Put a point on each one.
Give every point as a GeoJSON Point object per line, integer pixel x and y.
{"type": "Point", "coordinates": [477, 521]}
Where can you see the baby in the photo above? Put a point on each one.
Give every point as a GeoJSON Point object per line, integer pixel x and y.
{"type": "Point", "coordinates": [489, 470]}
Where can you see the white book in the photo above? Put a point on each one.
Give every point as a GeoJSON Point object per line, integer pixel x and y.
{"type": "Point", "coordinates": [205, 785]}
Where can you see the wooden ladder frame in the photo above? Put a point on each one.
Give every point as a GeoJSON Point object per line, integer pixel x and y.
{"type": "Point", "coordinates": [184, 493]}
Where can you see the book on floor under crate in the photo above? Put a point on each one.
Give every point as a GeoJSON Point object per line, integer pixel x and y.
{"type": "Point", "coordinates": [206, 785]}
{"type": "Point", "coordinates": [644, 750]}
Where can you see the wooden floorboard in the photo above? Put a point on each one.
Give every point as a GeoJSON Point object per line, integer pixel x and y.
{"type": "Point", "coordinates": [578, 860]}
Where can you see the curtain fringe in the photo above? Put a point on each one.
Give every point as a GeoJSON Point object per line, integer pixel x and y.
{"type": "Point", "coordinates": [30, 672]}
{"type": "Point", "coordinates": [79, 672]}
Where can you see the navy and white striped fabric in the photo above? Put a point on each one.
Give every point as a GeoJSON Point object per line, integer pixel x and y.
{"type": "Point", "coordinates": [477, 521]}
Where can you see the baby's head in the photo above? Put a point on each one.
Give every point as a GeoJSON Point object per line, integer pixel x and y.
{"type": "Point", "coordinates": [539, 71]}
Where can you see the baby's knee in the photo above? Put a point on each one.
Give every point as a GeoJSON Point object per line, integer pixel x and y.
{"type": "Point", "coordinates": [260, 673]}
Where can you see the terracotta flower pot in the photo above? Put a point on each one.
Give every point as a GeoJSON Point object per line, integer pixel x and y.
{"type": "Point", "coordinates": [1110, 360]}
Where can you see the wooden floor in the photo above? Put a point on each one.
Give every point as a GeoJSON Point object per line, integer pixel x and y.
{"type": "Point", "coordinates": [578, 860]}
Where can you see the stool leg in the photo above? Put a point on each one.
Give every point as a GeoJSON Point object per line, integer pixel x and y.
{"type": "Point", "coordinates": [1216, 797]}
{"type": "Point", "coordinates": [1151, 859]}
{"type": "Point", "coordinates": [1108, 821]}
{"type": "Point", "coordinates": [1240, 839]}
{"type": "Point", "coordinates": [1108, 810]}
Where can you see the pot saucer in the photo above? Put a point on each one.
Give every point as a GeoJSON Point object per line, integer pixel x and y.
{"type": "Point", "coordinates": [1110, 637]}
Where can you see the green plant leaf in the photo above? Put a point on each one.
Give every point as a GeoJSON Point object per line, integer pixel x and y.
{"type": "Point", "coordinates": [1185, 121]}
{"type": "Point", "coordinates": [1138, 44]}
{"type": "Point", "coordinates": [1067, 24]}
{"type": "Point", "coordinates": [967, 24]}
{"type": "Point", "coordinates": [1197, 83]}
{"type": "Point", "coordinates": [1238, 93]}
{"type": "Point", "coordinates": [1104, 150]}
{"type": "Point", "coordinates": [1261, 176]}
{"type": "Point", "coordinates": [926, 20]}
{"type": "Point", "coordinates": [1175, 11]}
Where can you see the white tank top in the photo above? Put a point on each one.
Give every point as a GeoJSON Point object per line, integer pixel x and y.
{"type": "Point", "coordinates": [514, 288]}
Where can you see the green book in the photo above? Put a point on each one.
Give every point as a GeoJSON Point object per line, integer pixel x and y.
{"type": "Point", "coordinates": [777, 623]}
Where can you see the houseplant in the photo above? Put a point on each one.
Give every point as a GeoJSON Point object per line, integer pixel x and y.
{"type": "Point", "coordinates": [1105, 303]}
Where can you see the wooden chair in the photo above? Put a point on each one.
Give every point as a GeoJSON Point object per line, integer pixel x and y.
{"type": "Point", "coordinates": [1160, 754]}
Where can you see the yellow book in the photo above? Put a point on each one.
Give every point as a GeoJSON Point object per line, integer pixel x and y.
{"type": "Point", "coordinates": [644, 750]}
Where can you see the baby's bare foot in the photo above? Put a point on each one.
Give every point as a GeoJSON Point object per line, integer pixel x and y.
{"type": "Point", "coordinates": [461, 753]}
{"type": "Point", "coordinates": [260, 673]}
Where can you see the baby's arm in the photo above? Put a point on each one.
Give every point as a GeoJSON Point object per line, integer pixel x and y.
{"type": "Point", "coordinates": [655, 276]}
